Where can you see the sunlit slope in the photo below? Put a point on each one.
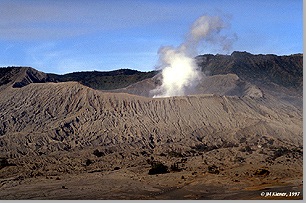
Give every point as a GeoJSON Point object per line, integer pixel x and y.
{"type": "Point", "coordinates": [42, 118]}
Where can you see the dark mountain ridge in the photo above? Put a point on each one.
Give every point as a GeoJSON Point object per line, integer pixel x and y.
{"type": "Point", "coordinates": [284, 70]}
{"type": "Point", "coordinates": [269, 69]}
{"type": "Point", "coordinates": [106, 80]}
{"type": "Point", "coordinates": [100, 80]}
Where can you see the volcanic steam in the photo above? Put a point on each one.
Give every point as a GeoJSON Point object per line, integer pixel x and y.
{"type": "Point", "coordinates": [180, 73]}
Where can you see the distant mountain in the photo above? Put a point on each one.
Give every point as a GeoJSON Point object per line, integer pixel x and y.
{"type": "Point", "coordinates": [260, 70]}
{"type": "Point", "coordinates": [286, 71]}
{"type": "Point", "coordinates": [21, 76]}
{"type": "Point", "coordinates": [106, 80]}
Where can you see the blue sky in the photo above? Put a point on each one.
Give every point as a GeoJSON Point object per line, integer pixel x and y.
{"type": "Point", "coordinates": [62, 36]}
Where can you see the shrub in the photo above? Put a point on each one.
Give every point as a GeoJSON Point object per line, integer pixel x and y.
{"type": "Point", "coordinates": [175, 154]}
{"type": "Point", "coordinates": [247, 149]}
{"type": "Point", "coordinates": [88, 162]}
{"type": "Point", "coordinates": [158, 168]}
{"type": "Point", "coordinates": [280, 152]}
{"type": "Point", "coordinates": [239, 159]}
{"type": "Point", "coordinates": [262, 172]}
{"type": "Point", "coordinates": [3, 163]}
{"type": "Point", "coordinates": [98, 153]}
{"type": "Point", "coordinates": [175, 167]}
{"type": "Point", "coordinates": [213, 169]}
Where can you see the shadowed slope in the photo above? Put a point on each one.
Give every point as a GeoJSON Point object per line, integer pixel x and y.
{"type": "Point", "coordinates": [286, 71]}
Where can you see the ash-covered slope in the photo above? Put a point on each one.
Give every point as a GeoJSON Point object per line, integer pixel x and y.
{"type": "Point", "coordinates": [42, 118]}
{"type": "Point", "coordinates": [58, 128]}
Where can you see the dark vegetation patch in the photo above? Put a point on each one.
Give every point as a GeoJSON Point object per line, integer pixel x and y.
{"type": "Point", "coordinates": [88, 162]}
{"type": "Point", "coordinates": [262, 172]}
{"type": "Point", "coordinates": [203, 147]}
{"type": "Point", "coordinates": [239, 159]}
{"type": "Point", "coordinates": [206, 148]}
{"type": "Point", "coordinates": [95, 171]}
{"type": "Point", "coordinates": [213, 169]}
{"type": "Point", "coordinates": [247, 149]}
{"type": "Point", "coordinates": [158, 168]}
{"type": "Point", "coordinates": [144, 153]}
{"type": "Point", "coordinates": [280, 152]}
{"type": "Point", "coordinates": [177, 166]}
{"type": "Point", "coordinates": [175, 154]}
{"type": "Point", "coordinates": [284, 151]}
{"type": "Point", "coordinates": [3, 162]}
{"type": "Point", "coordinates": [162, 154]}
{"type": "Point", "coordinates": [242, 140]}
{"type": "Point", "coordinates": [106, 80]}
{"type": "Point", "coordinates": [97, 153]}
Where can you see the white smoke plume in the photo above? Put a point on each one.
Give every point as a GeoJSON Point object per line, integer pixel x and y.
{"type": "Point", "coordinates": [180, 73]}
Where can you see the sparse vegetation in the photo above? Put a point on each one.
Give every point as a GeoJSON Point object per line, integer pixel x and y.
{"type": "Point", "coordinates": [158, 168]}
{"type": "Point", "coordinates": [175, 154]}
{"type": "Point", "coordinates": [200, 147]}
{"type": "Point", "coordinates": [239, 159]}
{"type": "Point", "coordinates": [3, 162]}
{"type": "Point", "coordinates": [262, 172]}
{"type": "Point", "coordinates": [108, 80]}
{"type": "Point", "coordinates": [88, 162]}
{"type": "Point", "coordinates": [98, 153]}
{"type": "Point", "coordinates": [213, 169]}
{"type": "Point", "coordinates": [145, 153]}
{"type": "Point", "coordinates": [280, 152]}
{"type": "Point", "coordinates": [242, 140]}
{"type": "Point", "coordinates": [175, 167]}
{"type": "Point", "coordinates": [247, 149]}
